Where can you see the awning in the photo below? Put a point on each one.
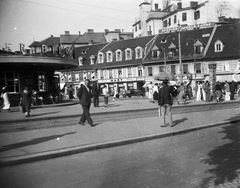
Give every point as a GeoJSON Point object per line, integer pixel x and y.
{"type": "Point", "coordinates": [228, 78]}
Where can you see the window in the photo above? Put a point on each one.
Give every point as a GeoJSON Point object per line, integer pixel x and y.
{"type": "Point", "coordinates": [155, 52]}
{"type": "Point", "coordinates": [11, 79]}
{"type": "Point", "coordinates": [161, 68]}
{"type": "Point", "coordinates": [119, 73]}
{"type": "Point", "coordinates": [175, 18]}
{"type": "Point", "coordinates": [140, 71]}
{"type": "Point", "coordinates": [198, 68]}
{"type": "Point", "coordinates": [150, 73]}
{"type": "Point", "coordinates": [92, 59]}
{"type": "Point", "coordinates": [129, 72]}
{"type": "Point", "coordinates": [109, 57]}
{"type": "Point", "coordinates": [118, 55]}
{"type": "Point", "coordinates": [197, 15]}
{"type": "Point", "coordinates": [73, 76]}
{"type": "Point", "coordinates": [172, 50]}
{"type": "Point", "coordinates": [136, 28]}
{"type": "Point", "coordinates": [185, 68]}
{"type": "Point", "coordinates": [110, 74]}
{"type": "Point", "coordinates": [173, 69]}
{"type": "Point", "coordinates": [184, 16]}
{"type": "Point", "coordinates": [100, 57]}
{"type": "Point", "coordinates": [225, 66]}
{"type": "Point", "coordinates": [140, 26]}
{"type": "Point", "coordinates": [138, 52]}
{"type": "Point", "coordinates": [128, 54]}
{"type": "Point", "coordinates": [169, 21]}
{"type": "Point", "coordinates": [41, 81]}
{"type": "Point", "coordinates": [80, 61]}
{"type": "Point", "coordinates": [165, 23]}
{"type": "Point", "coordinates": [218, 46]}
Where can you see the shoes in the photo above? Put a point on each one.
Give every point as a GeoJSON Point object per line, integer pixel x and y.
{"type": "Point", "coordinates": [28, 115]}
{"type": "Point", "coordinates": [93, 125]}
{"type": "Point", "coordinates": [81, 123]}
{"type": "Point", "coordinates": [163, 125]}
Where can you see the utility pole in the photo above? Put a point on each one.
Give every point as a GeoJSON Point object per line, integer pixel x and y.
{"type": "Point", "coordinates": [180, 53]}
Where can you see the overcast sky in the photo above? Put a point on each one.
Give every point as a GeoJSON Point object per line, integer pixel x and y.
{"type": "Point", "coordinates": [25, 21]}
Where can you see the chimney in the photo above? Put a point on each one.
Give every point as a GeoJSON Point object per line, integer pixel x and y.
{"type": "Point", "coordinates": [90, 30]}
{"type": "Point", "coordinates": [67, 32]}
{"type": "Point", "coordinates": [106, 30]}
{"type": "Point", "coordinates": [79, 32]}
{"type": "Point", "coordinates": [118, 30]}
{"type": "Point", "coordinates": [51, 35]}
{"type": "Point", "coordinates": [193, 4]}
{"type": "Point", "coordinates": [156, 6]}
{"type": "Point", "coordinates": [90, 42]}
{"type": "Point", "coordinates": [179, 5]}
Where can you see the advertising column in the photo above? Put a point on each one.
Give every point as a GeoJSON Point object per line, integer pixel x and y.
{"type": "Point", "coordinates": [212, 77]}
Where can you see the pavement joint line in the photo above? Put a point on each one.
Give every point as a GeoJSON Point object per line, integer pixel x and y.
{"type": "Point", "coordinates": [16, 160]}
{"type": "Point", "coordinates": [235, 103]}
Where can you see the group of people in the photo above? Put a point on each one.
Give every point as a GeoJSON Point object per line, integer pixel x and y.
{"type": "Point", "coordinates": [227, 91]}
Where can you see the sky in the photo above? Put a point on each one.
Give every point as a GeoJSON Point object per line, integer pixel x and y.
{"type": "Point", "coordinates": [25, 21]}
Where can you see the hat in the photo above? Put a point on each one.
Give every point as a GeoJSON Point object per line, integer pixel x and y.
{"type": "Point", "coordinates": [165, 81]}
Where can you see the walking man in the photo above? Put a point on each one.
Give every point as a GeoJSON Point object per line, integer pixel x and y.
{"type": "Point", "coordinates": [84, 95]}
{"type": "Point", "coordinates": [165, 103]}
{"type": "Point", "coordinates": [95, 93]}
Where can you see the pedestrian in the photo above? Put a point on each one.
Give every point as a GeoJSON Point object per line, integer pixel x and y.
{"type": "Point", "coordinates": [150, 92]}
{"type": "Point", "coordinates": [105, 95]}
{"type": "Point", "coordinates": [25, 101]}
{"type": "Point", "coordinates": [218, 91]}
{"type": "Point", "coordinates": [181, 94]}
{"type": "Point", "coordinates": [84, 94]}
{"type": "Point", "coordinates": [207, 91]}
{"type": "Point", "coordinates": [165, 103]}
{"type": "Point", "coordinates": [227, 91]}
{"type": "Point", "coordinates": [115, 94]}
{"type": "Point", "coordinates": [199, 92]}
{"type": "Point", "coordinates": [155, 92]}
{"type": "Point", "coordinates": [95, 93]}
{"type": "Point", "coordinates": [4, 96]}
{"type": "Point", "coordinates": [70, 92]}
{"type": "Point", "coordinates": [232, 90]}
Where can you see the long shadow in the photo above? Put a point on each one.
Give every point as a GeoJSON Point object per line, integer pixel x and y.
{"type": "Point", "coordinates": [176, 122]}
{"type": "Point", "coordinates": [225, 159]}
{"type": "Point", "coordinates": [33, 142]}
{"type": "Point", "coordinates": [42, 114]}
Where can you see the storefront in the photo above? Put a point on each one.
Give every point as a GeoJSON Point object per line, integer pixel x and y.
{"type": "Point", "coordinates": [38, 73]}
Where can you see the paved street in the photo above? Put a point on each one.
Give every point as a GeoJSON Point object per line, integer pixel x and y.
{"type": "Point", "coordinates": [40, 144]}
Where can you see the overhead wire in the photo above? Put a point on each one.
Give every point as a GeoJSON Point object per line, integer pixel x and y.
{"type": "Point", "coordinates": [77, 11]}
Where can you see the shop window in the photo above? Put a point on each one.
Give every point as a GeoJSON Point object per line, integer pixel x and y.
{"type": "Point", "coordinates": [129, 72]}
{"type": "Point", "coordinates": [161, 68]}
{"type": "Point", "coordinates": [198, 68]}
{"type": "Point", "coordinates": [173, 69]}
{"type": "Point", "coordinates": [110, 74]}
{"type": "Point", "coordinates": [119, 73]}
{"type": "Point", "coordinates": [150, 71]}
{"type": "Point", "coordinates": [185, 68]}
{"type": "Point", "coordinates": [41, 81]}
{"type": "Point", "coordinates": [11, 79]}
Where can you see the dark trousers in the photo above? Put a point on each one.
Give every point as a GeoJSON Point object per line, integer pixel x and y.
{"type": "Point", "coordinates": [96, 100]}
{"type": "Point", "coordinates": [86, 115]}
{"type": "Point", "coordinates": [232, 96]}
{"type": "Point", "coordinates": [105, 100]}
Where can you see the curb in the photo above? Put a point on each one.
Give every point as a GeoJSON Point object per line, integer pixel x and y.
{"type": "Point", "coordinates": [10, 161]}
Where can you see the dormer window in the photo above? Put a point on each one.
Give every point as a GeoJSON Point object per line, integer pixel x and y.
{"type": "Point", "coordinates": [198, 47]}
{"type": "Point", "coordinates": [92, 59]}
{"type": "Point", "coordinates": [218, 46]}
{"type": "Point", "coordinates": [118, 55]}
{"type": "Point", "coordinates": [138, 52]}
{"type": "Point", "coordinates": [109, 56]}
{"type": "Point", "coordinates": [128, 54]}
{"type": "Point", "coordinates": [155, 52]}
{"type": "Point", "coordinates": [80, 61]}
{"type": "Point", "coordinates": [172, 50]}
{"type": "Point", "coordinates": [100, 57]}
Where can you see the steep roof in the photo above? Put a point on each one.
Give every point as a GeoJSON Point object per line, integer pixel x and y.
{"type": "Point", "coordinates": [68, 39]}
{"type": "Point", "coordinates": [35, 44]}
{"type": "Point", "coordinates": [91, 37]}
{"type": "Point", "coordinates": [51, 41]}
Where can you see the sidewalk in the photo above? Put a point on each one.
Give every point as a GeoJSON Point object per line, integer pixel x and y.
{"type": "Point", "coordinates": [40, 144]}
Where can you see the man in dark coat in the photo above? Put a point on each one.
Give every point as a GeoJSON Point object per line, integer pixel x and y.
{"type": "Point", "coordinates": [165, 103]}
{"type": "Point", "coordinates": [232, 90]}
{"type": "Point", "coordinates": [95, 93]}
{"type": "Point", "coordinates": [84, 95]}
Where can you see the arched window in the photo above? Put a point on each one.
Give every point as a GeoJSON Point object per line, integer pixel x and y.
{"type": "Point", "coordinates": [118, 55]}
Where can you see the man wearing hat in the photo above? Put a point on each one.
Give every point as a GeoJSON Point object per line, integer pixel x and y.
{"type": "Point", "coordinates": [84, 95]}
{"type": "Point", "coordinates": [165, 103]}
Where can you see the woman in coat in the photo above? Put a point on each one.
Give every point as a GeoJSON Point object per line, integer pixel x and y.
{"type": "Point", "coordinates": [6, 103]}
{"type": "Point", "coordinates": [25, 101]}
